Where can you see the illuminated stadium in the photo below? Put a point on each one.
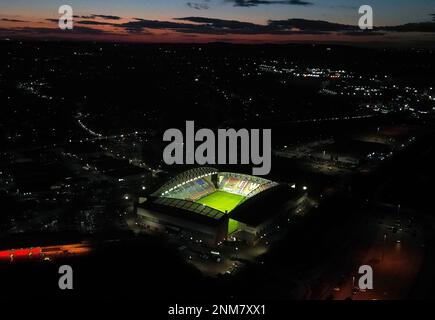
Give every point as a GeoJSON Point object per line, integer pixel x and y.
{"type": "Point", "coordinates": [210, 205]}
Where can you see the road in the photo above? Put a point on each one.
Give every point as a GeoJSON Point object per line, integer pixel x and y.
{"type": "Point", "coordinates": [393, 247]}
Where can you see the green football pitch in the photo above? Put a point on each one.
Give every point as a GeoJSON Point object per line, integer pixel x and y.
{"type": "Point", "coordinates": [221, 200]}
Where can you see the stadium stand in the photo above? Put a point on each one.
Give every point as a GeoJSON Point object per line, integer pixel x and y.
{"type": "Point", "coordinates": [240, 184]}
{"type": "Point", "coordinates": [197, 184]}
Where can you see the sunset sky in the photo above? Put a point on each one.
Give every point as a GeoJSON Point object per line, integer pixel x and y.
{"type": "Point", "coordinates": [397, 22]}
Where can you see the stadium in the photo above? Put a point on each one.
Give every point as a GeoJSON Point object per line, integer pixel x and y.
{"type": "Point", "coordinates": [209, 206]}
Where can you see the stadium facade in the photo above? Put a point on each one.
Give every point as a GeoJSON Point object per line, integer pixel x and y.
{"type": "Point", "coordinates": [209, 206]}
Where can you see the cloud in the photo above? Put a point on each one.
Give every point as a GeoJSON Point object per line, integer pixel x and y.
{"type": "Point", "coordinates": [101, 16]}
{"type": "Point", "coordinates": [255, 3]}
{"type": "Point", "coordinates": [325, 26]}
{"type": "Point", "coordinates": [12, 20]}
{"type": "Point", "coordinates": [213, 26]}
{"type": "Point", "coordinates": [411, 27]}
{"type": "Point", "coordinates": [84, 17]}
{"type": "Point", "coordinates": [197, 6]}
{"type": "Point", "coordinates": [196, 25]}
{"type": "Point", "coordinates": [107, 17]}
{"type": "Point", "coordinates": [139, 25]}
{"type": "Point", "coordinates": [310, 25]}
{"type": "Point", "coordinates": [96, 23]}
{"type": "Point", "coordinates": [57, 31]}
{"type": "Point", "coordinates": [220, 26]}
{"type": "Point", "coordinates": [87, 22]}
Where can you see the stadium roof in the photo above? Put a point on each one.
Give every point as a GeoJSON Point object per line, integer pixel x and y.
{"type": "Point", "coordinates": [184, 177]}
{"type": "Point", "coordinates": [191, 206]}
{"type": "Point", "coordinates": [185, 209]}
{"type": "Point", "coordinates": [258, 209]}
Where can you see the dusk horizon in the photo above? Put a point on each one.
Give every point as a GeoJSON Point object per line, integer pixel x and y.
{"type": "Point", "coordinates": [233, 21]}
